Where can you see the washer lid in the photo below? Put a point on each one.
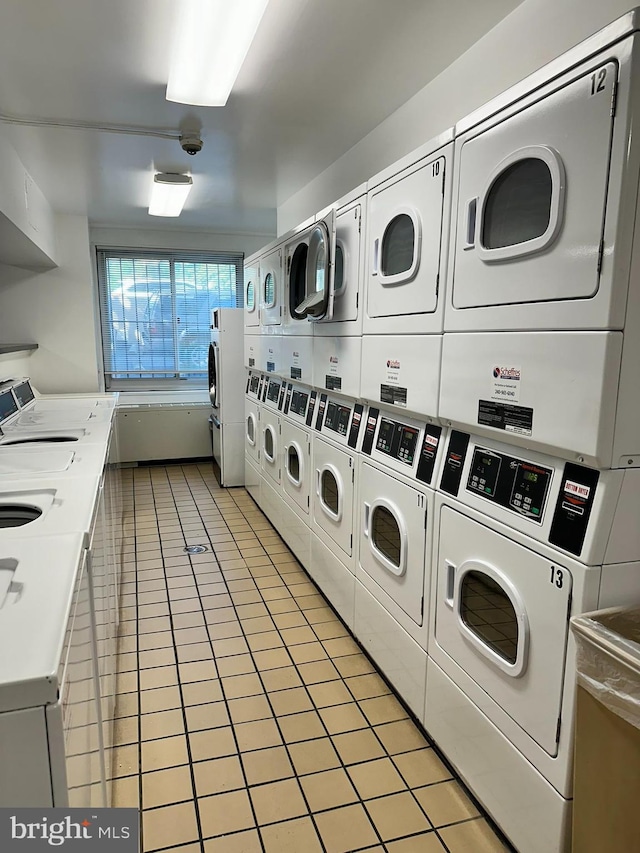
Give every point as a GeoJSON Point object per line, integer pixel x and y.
{"type": "Point", "coordinates": [27, 462]}
{"type": "Point", "coordinates": [37, 579]}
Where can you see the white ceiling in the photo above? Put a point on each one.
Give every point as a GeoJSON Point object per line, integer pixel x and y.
{"type": "Point", "coordinates": [319, 76]}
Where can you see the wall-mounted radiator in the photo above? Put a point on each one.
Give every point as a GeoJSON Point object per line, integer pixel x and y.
{"type": "Point", "coordinates": [167, 430]}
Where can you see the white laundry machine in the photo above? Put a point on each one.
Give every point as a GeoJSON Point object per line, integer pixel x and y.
{"type": "Point", "coordinates": [225, 392]}
{"type": "Point", "coordinates": [407, 238]}
{"type": "Point", "coordinates": [309, 263]}
{"type": "Point", "coordinates": [544, 252]}
{"type": "Point", "coordinates": [252, 349]}
{"type": "Point", "coordinates": [523, 542]}
{"type": "Point", "coordinates": [296, 426]}
{"type": "Point", "coordinates": [253, 395]}
{"type": "Point", "coordinates": [273, 396]}
{"type": "Point", "coordinates": [271, 290]}
{"type": "Point", "coordinates": [402, 371]}
{"type": "Point", "coordinates": [296, 358]}
{"type": "Point", "coordinates": [350, 217]}
{"type": "Point", "coordinates": [336, 364]}
{"type": "Point", "coordinates": [49, 506]}
{"type": "Point", "coordinates": [336, 440]}
{"type": "Point", "coordinates": [398, 469]}
{"type": "Point", "coordinates": [545, 188]}
{"type": "Point", "coordinates": [270, 352]}
{"type": "Point", "coordinates": [252, 295]}
{"type": "Point", "coordinates": [20, 407]}
{"type": "Point", "coordinates": [50, 717]}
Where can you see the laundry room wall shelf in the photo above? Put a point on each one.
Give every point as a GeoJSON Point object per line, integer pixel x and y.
{"type": "Point", "coordinates": [5, 348]}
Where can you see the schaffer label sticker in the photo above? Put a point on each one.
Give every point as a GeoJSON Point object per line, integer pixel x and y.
{"type": "Point", "coordinates": [506, 381]}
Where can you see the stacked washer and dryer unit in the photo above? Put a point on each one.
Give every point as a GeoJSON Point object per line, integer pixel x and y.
{"type": "Point", "coordinates": [475, 480]}
{"type": "Point", "coordinates": [540, 492]}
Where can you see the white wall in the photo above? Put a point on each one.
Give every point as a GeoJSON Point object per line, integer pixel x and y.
{"type": "Point", "coordinates": [536, 32]}
{"type": "Point", "coordinates": [55, 310]}
{"type": "Point", "coordinates": [14, 365]}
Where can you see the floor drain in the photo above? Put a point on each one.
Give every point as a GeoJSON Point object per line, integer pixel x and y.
{"type": "Point", "coordinates": [196, 549]}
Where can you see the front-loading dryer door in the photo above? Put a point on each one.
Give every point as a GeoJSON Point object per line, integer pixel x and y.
{"type": "Point", "coordinates": [531, 199]}
{"type": "Point", "coordinates": [296, 477]}
{"type": "Point", "coordinates": [502, 614]}
{"type": "Point", "coordinates": [271, 289]}
{"type": "Point", "coordinates": [270, 448]}
{"type": "Point", "coordinates": [310, 271]}
{"type": "Point", "coordinates": [393, 538]}
{"type": "Point", "coordinates": [405, 235]}
{"type": "Point", "coordinates": [251, 296]}
{"type": "Point", "coordinates": [333, 493]}
{"type": "Point", "coordinates": [346, 276]}
{"type": "Point", "coordinates": [252, 430]}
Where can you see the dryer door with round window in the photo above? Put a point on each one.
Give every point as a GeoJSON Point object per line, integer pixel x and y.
{"type": "Point", "coordinates": [393, 538]}
{"type": "Point", "coordinates": [310, 271]}
{"type": "Point", "coordinates": [333, 493]}
{"type": "Point", "coordinates": [502, 616]}
{"type": "Point", "coordinates": [270, 450]}
{"type": "Point", "coordinates": [296, 477]}
{"type": "Point", "coordinates": [347, 272]}
{"type": "Point", "coordinates": [271, 289]}
{"type": "Point", "coordinates": [251, 296]}
{"type": "Point", "coordinates": [251, 431]}
{"type": "Point", "coordinates": [531, 199]}
{"type": "Point", "coordinates": [405, 243]}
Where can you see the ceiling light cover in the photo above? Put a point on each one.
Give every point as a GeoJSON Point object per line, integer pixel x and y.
{"type": "Point", "coordinates": [168, 194]}
{"type": "Point", "coordinates": [211, 42]}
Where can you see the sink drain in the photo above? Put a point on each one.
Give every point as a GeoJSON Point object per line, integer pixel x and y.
{"type": "Point", "coordinates": [195, 549]}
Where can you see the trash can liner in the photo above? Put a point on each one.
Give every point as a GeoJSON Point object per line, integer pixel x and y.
{"type": "Point", "coordinates": [608, 659]}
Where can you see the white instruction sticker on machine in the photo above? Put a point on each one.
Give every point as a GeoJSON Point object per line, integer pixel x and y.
{"type": "Point", "coordinates": [506, 384]}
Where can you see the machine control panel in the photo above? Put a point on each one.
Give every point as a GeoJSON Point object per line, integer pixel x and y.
{"type": "Point", "coordinates": [398, 440]}
{"type": "Point", "coordinates": [310, 410]}
{"type": "Point", "coordinates": [273, 391]}
{"type": "Point", "coordinates": [253, 384]}
{"type": "Point", "coordinates": [337, 418]}
{"type": "Point", "coordinates": [8, 405]}
{"type": "Point", "coordinates": [299, 402]}
{"type": "Point", "coordinates": [513, 483]}
{"type": "Point", "coordinates": [23, 393]}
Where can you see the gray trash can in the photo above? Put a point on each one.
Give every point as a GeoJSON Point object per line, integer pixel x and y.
{"type": "Point", "coordinates": [606, 807]}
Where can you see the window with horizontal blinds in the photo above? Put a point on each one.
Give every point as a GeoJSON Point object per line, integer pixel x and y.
{"type": "Point", "coordinates": [155, 313]}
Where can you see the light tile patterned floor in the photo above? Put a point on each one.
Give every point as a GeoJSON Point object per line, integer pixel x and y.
{"type": "Point", "coordinates": [247, 719]}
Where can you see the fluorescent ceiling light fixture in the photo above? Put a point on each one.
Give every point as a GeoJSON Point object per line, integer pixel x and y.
{"type": "Point", "coordinates": [211, 43]}
{"type": "Point", "coordinates": [169, 194]}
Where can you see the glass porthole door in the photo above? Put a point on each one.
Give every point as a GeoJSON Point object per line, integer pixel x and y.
{"type": "Point", "coordinates": [387, 535]}
{"type": "Point", "coordinates": [330, 490]}
{"type": "Point", "coordinates": [270, 287]}
{"type": "Point", "coordinates": [491, 616]}
{"type": "Point", "coordinates": [251, 429]}
{"type": "Point", "coordinates": [311, 271]}
{"type": "Point", "coordinates": [294, 464]}
{"type": "Point", "coordinates": [531, 204]}
{"type": "Point", "coordinates": [404, 247]}
{"type": "Point", "coordinates": [502, 614]}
